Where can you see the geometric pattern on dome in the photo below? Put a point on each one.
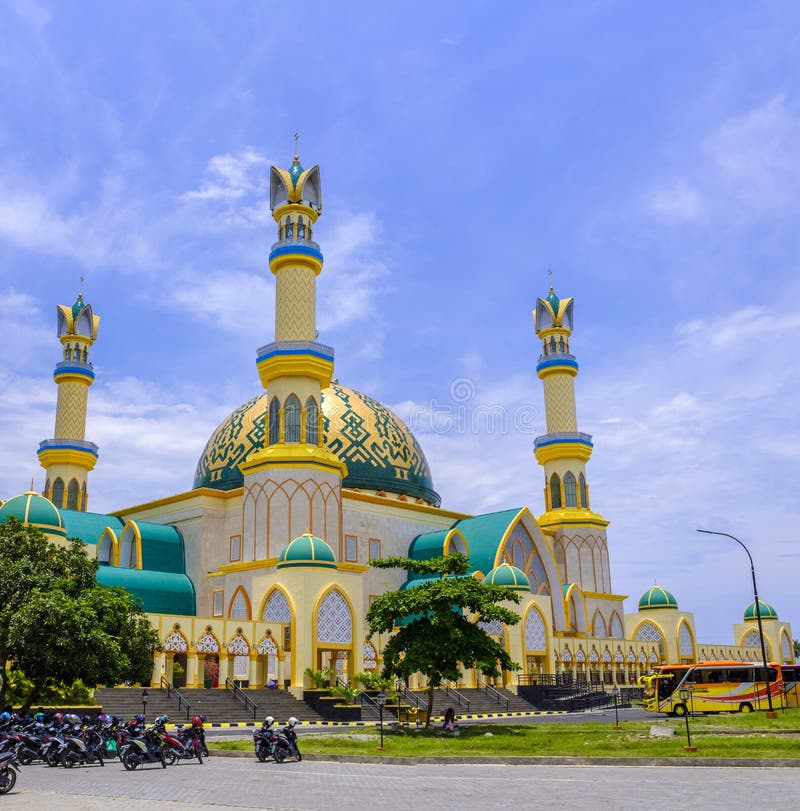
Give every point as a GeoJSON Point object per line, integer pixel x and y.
{"type": "Point", "coordinates": [649, 633]}
{"type": "Point", "coordinates": [333, 620]}
{"type": "Point", "coordinates": [207, 644]}
{"type": "Point", "coordinates": [685, 643]}
{"type": "Point", "coordinates": [753, 639]}
{"type": "Point", "coordinates": [277, 608]}
{"type": "Point", "coordinates": [535, 635]}
{"type": "Point", "coordinates": [379, 450]}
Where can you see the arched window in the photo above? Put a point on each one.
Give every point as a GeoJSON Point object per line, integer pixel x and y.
{"type": "Point", "coordinates": [277, 608]}
{"type": "Point", "coordinates": [301, 229]}
{"type": "Point", "coordinates": [84, 500]}
{"type": "Point", "coordinates": [73, 491]}
{"type": "Point", "coordinates": [312, 421]}
{"type": "Point", "coordinates": [291, 419]}
{"type": "Point", "coordinates": [584, 493]}
{"type": "Point", "coordinates": [289, 230]}
{"type": "Point", "coordinates": [239, 607]}
{"type": "Point", "coordinates": [128, 557]}
{"type": "Point", "coordinates": [58, 492]}
{"type": "Point", "coordinates": [570, 492]}
{"type": "Point", "coordinates": [555, 492]}
{"type": "Point", "coordinates": [274, 421]}
{"type": "Point", "coordinates": [47, 493]}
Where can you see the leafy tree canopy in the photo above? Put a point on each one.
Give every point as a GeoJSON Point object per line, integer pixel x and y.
{"type": "Point", "coordinates": [58, 624]}
{"type": "Point", "coordinates": [436, 623]}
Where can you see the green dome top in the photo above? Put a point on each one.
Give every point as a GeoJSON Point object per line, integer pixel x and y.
{"type": "Point", "coordinates": [295, 170]}
{"type": "Point", "coordinates": [510, 576]}
{"type": "Point", "coordinates": [765, 609]}
{"type": "Point", "coordinates": [36, 511]}
{"type": "Point", "coordinates": [307, 550]}
{"type": "Point", "coordinates": [78, 306]}
{"type": "Point", "coordinates": [554, 300]}
{"type": "Point", "coordinates": [379, 450]}
{"type": "Point", "coordinates": [656, 597]}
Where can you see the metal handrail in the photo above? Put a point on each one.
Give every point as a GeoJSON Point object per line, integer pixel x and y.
{"type": "Point", "coordinates": [239, 694]}
{"type": "Point", "coordinates": [410, 696]}
{"type": "Point", "coordinates": [495, 694]}
{"type": "Point", "coordinates": [165, 685]}
{"type": "Point", "coordinates": [462, 700]}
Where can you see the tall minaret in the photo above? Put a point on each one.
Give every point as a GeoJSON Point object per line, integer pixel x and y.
{"type": "Point", "coordinates": [579, 535]}
{"type": "Point", "coordinates": [293, 468]}
{"type": "Point", "coordinates": [68, 457]}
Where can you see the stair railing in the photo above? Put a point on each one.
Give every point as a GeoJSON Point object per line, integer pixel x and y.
{"type": "Point", "coordinates": [240, 695]}
{"type": "Point", "coordinates": [495, 694]}
{"type": "Point", "coordinates": [173, 691]}
{"type": "Point", "coordinates": [410, 697]}
{"type": "Point", "coordinates": [460, 698]}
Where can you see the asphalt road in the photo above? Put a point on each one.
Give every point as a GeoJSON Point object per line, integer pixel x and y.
{"type": "Point", "coordinates": [233, 783]}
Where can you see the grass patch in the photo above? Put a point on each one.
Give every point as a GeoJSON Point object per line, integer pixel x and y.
{"type": "Point", "coordinates": [740, 736]}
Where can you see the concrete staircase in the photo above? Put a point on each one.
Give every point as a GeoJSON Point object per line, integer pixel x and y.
{"type": "Point", "coordinates": [216, 705]}
{"type": "Point", "coordinates": [480, 702]}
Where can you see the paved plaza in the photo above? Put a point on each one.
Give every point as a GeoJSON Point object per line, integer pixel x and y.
{"type": "Point", "coordinates": [235, 783]}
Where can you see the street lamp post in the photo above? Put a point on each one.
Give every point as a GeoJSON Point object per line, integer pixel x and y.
{"type": "Point", "coordinates": [686, 695]}
{"type": "Point", "coordinates": [758, 613]}
{"type": "Point", "coordinates": [145, 695]}
{"type": "Point", "coordinates": [615, 693]}
{"type": "Point", "coordinates": [380, 700]}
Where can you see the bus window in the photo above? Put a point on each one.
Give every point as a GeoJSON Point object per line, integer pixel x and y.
{"type": "Point", "coordinates": [666, 683]}
{"type": "Point", "coordinates": [737, 675]}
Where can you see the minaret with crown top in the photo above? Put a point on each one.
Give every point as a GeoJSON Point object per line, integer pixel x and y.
{"type": "Point", "coordinates": [68, 457]}
{"type": "Point", "coordinates": [294, 368]}
{"type": "Point", "coordinates": [579, 536]}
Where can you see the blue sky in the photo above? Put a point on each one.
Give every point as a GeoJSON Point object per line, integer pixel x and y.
{"type": "Point", "coordinates": [648, 153]}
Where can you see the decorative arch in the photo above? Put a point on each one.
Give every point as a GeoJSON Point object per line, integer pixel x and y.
{"type": "Point", "coordinates": [370, 657]}
{"type": "Point", "coordinates": [455, 541]}
{"type": "Point", "coordinates": [73, 495]}
{"type": "Point", "coordinates": [333, 618]}
{"type": "Point", "coordinates": [291, 419]}
{"type": "Point", "coordinates": [208, 643]}
{"type": "Point", "coordinates": [617, 630]}
{"type": "Point", "coordinates": [649, 631]}
{"type": "Point", "coordinates": [685, 639]}
{"type": "Point", "coordinates": [312, 421]}
{"type": "Point", "coordinates": [130, 547]}
{"type": "Point", "coordinates": [787, 652]}
{"type": "Point", "coordinates": [575, 608]}
{"type": "Point", "coordinates": [584, 491]}
{"type": "Point", "coordinates": [534, 630]}
{"type": "Point", "coordinates": [277, 606]}
{"type": "Point", "coordinates": [274, 421]}
{"type": "Point", "coordinates": [599, 625]}
{"type": "Point", "coordinates": [58, 492]}
{"type": "Point", "coordinates": [239, 606]}
{"type": "Point", "coordinates": [570, 490]}
{"type": "Point", "coordinates": [555, 492]}
{"type": "Point", "coordinates": [268, 647]}
{"type": "Point", "coordinates": [108, 548]}
{"type": "Point", "coordinates": [176, 642]}
{"type": "Point", "coordinates": [540, 567]}
{"type": "Point", "coordinates": [753, 639]}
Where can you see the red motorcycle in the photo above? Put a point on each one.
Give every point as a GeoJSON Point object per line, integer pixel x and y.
{"type": "Point", "coordinates": [185, 746]}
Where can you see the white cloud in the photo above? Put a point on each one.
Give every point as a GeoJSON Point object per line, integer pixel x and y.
{"type": "Point", "coordinates": [678, 201]}
{"type": "Point", "coordinates": [232, 176]}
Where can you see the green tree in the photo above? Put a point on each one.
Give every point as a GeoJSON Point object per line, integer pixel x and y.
{"type": "Point", "coordinates": [439, 633]}
{"type": "Point", "coordinates": [57, 624]}
{"type": "Point", "coordinates": [796, 648]}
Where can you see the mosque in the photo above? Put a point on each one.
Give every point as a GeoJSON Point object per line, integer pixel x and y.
{"type": "Point", "coordinates": [262, 569]}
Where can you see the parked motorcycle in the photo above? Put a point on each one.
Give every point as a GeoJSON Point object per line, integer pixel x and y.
{"type": "Point", "coordinates": [9, 767]}
{"type": "Point", "coordinates": [264, 739]}
{"type": "Point", "coordinates": [147, 749]}
{"type": "Point", "coordinates": [81, 747]}
{"type": "Point", "coordinates": [289, 735]}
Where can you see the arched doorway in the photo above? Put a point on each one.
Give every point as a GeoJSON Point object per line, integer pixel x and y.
{"type": "Point", "coordinates": [334, 639]}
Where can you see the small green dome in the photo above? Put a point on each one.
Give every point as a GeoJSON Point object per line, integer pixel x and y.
{"type": "Point", "coordinates": [77, 306]}
{"type": "Point", "coordinates": [765, 609]}
{"type": "Point", "coordinates": [295, 170]}
{"type": "Point", "coordinates": [307, 550]}
{"type": "Point", "coordinates": [36, 511]}
{"type": "Point", "coordinates": [656, 597]}
{"type": "Point", "coordinates": [509, 576]}
{"type": "Point", "coordinates": [554, 300]}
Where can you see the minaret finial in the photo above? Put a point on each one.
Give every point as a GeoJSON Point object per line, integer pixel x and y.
{"type": "Point", "coordinates": [550, 278]}
{"type": "Point", "coordinates": [31, 490]}
{"type": "Point", "coordinates": [80, 290]}
{"type": "Point", "coordinates": [296, 150]}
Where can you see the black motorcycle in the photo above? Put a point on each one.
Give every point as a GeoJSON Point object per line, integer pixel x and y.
{"type": "Point", "coordinates": [147, 749]}
{"type": "Point", "coordinates": [286, 745]}
{"type": "Point", "coordinates": [8, 771]}
{"type": "Point", "coordinates": [81, 747]}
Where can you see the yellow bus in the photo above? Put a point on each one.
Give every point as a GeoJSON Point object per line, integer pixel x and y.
{"type": "Point", "coordinates": [723, 686]}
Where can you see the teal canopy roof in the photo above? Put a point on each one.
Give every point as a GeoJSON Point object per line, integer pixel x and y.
{"type": "Point", "coordinates": [36, 511]}
{"type": "Point", "coordinates": [484, 534]}
{"type": "Point", "coordinates": [160, 592]}
{"type": "Point", "coordinates": [88, 527]}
